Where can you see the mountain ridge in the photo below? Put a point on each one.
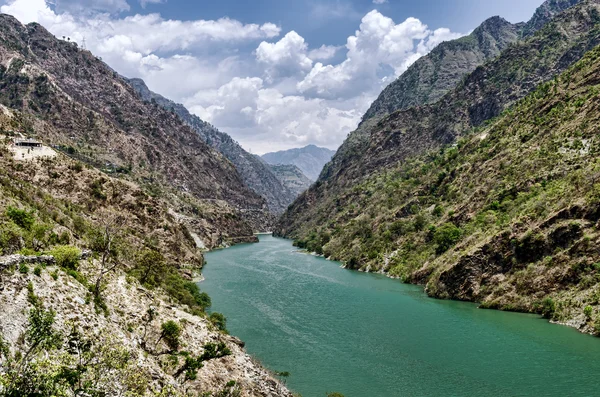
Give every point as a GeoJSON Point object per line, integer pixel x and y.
{"type": "Point", "coordinates": [255, 174]}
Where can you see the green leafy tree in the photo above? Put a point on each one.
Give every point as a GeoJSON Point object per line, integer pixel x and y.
{"type": "Point", "coordinates": [150, 267]}
{"type": "Point", "coordinates": [193, 364]}
{"type": "Point", "coordinates": [20, 217]}
{"type": "Point", "coordinates": [218, 320]}
{"type": "Point", "coordinates": [446, 236]}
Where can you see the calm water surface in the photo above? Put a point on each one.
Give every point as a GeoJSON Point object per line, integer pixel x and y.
{"type": "Point", "coordinates": [365, 335]}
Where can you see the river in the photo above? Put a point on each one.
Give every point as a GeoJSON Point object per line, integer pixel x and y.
{"type": "Point", "coordinates": [365, 335]}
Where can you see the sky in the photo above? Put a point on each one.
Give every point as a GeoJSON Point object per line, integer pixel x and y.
{"type": "Point", "coordinates": [274, 74]}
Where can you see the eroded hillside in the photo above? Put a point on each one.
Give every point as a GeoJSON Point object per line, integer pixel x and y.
{"type": "Point", "coordinates": [85, 107]}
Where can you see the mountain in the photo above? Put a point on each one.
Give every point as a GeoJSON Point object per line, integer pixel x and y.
{"type": "Point", "coordinates": [254, 172]}
{"type": "Point", "coordinates": [96, 288]}
{"type": "Point", "coordinates": [74, 101]}
{"type": "Point", "coordinates": [310, 159]}
{"type": "Point", "coordinates": [474, 195]}
{"type": "Point", "coordinates": [291, 177]}
{"type": "Point", "coordinates": [433, 75]}
{"type": "Point", "coordinates": [544, 13]}
{"type": "Point", "coordinates": [436, 73]}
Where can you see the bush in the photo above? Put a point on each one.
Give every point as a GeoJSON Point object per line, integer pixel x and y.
{"type": "Point", "coordinates": [37, 271]}
{"type": "Point", "coordinates": [171, 331]}
{"type": "Point", "coordinates": [446, 236]}
{"type": "Point", "coordinates": [11, 238]}
{"type": "Point", "coordinates": [20, 217]}
{"type": "Point", "coordinates": [548, 307]}
{"type": "Point", "coordinates": [23, 268]}
{"type": "Point", "coordinates": [588, 310]}
{"type": "Point", "coordinates": [218, 321]}
{"type": "Point", "coordinates": [66, 256]}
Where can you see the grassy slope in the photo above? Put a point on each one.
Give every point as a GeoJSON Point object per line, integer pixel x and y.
{"type": "Point", "coordinates": [506, 217]}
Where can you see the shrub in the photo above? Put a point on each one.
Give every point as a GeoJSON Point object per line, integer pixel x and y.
{"type": "Point", "coordinates": [171, 331]}
{"type": "Point", "coordinates": [23, 268]}
{"type": "Point", "coordinates": [446, 236]}
{"type": "Point", "coordinates": [20, 217]}
{"type": "Point", "coordinates": [37, 271]}
{"type": "Point", "coordinates": [66, 256]}
{"type": "Point", "coordinates": [548, 307]}
{"type": "Point", "coordinates": [218, 321]}
{"type": "Point", "coordinates": [11, 238]}
{"type": "Point", "coordinates": [588, 310]}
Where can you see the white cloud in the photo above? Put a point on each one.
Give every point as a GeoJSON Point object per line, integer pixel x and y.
{"type": "Point", "coordinates": [284, 94]}
{"type": "Point", "coordinates": [377, 46]}
{"type": "Point", "coordinates": [379, 1]}
{"type": "Point", "coordinates": [286, 57]}
{"type": "Point", "coordinates": [323, 53]}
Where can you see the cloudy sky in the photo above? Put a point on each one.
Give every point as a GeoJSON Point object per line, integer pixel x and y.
{"type": "Point", "coordinates": [274, 74]}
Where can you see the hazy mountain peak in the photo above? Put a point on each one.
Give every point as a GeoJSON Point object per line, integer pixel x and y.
{"type": "Point", "coordinates": [310, 159]}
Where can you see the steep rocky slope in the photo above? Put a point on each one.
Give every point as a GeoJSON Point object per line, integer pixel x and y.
{"type": "Point", "coordinates": [126, 317]}
{"type": "Point", "coordinates": [82, 105]}
{"type": "Point", "coordinates": [478, 208]}
{"type": "Point", "coordinates": [438, 72]}
{"type": "Point", "coordinates": [310, 159]}
{"type": "Point", "coordinates": [291, 177]}
{"type": "Point", "coordinates": [254, 172]}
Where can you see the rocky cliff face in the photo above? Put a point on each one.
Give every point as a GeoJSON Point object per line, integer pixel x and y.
{"type": "Point", "coordinates": [436, 73]}
{"type": "Point", "coordinates": [82, 105]}
{"type": "Point", "coordinates": [309, 159]}
{"type": "Point", "coordinates": [544, 14]}
{"type": "Point", "coordinates": [253, 172]}
{"type": "Point", "coordinates": [403, 190]}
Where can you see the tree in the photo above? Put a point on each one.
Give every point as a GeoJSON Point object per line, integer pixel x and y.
{"type": "Point", "coordinates": [22, 374]}
{"type": "Point", "coordinates": [446, 236]}
{"type": "Point", "coordinates": [150, 266]}
{"type": "Point", "coordinates": [102, 241]}
{"type": "Point", "coordinates": [193, 364]}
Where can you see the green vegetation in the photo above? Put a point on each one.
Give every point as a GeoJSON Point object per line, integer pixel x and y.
{"type": "Point", "coordinates": [66, 256]}
{"type": "Point", "coordinates": [171, 331]}
{"type": "Point", "coordinates": [218, 321]}
{"type": "Point", "coordinates": [21, 218]}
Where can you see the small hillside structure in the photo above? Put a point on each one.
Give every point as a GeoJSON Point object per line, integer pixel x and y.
{"type": "Point", "coordinates": [29, 149]}
{"type": "Point", "coordinates": [31, 143]}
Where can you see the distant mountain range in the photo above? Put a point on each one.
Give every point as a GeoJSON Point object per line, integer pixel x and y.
{"type": "Point", "coordinates": [310, 159]}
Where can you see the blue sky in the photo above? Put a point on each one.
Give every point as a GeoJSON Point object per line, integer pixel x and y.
{"type": "Point", "coordinates": [273, 74]}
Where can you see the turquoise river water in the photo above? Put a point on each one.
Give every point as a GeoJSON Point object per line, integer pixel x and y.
{"type": "Point", "coordinates": [365, 335]}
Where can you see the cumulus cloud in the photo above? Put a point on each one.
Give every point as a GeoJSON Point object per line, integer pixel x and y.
{"type": "Point", "coordinates": [379, 1]}
{"type": "Point", "coordinates": [286, 57]}
{"type": "Point", "coordinates": [285, 93]}
{"type": "Point", "coordinates": [323, 53]}
{"type": "Point", "coordinates": [377, 46]}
